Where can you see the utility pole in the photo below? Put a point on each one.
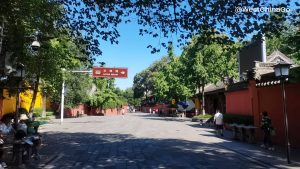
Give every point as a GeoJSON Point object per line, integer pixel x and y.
{"type": "Point", "coordinates": [62, 102]}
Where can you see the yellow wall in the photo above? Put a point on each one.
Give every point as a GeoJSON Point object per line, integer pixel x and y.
{"type": "Point", "coordinates": [9, 103]}
{"type": "Point", "coordinates": [26, 97]}
{"type": "Point", "coordinates": [197, 104]}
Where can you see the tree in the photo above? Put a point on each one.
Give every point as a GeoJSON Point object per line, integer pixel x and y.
{"type": "Point", "coordinates": [106, 95]}
{"type": "Point", "coordinates": [58, 53]}
{"type": "Point", "coordinates": [142, 85]}
{"type": "Point", "coordinates": [160, 86]}
{"type": "Point", "coordinates": [77, 88]}
{"type": "Point", "coordinates": [19, 20]}
{"type": "Point", "coordinates": [167, 82]}
{"type": "Point", "coordinates": [129, 95]}
{"type": "Point", "coordinates": [62, 53]}
{"type": "Point", "coordinates": [163, 78]}
{"type": "Point", "coordinates": [287, 42]}
{"type": "Point", "coordinates": [207, 63]}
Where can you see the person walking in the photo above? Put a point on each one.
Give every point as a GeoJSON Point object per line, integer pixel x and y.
{"type": "Point", "coordinates": [266, 126]}
{"type": "Point", "coordinates": [218, 120]}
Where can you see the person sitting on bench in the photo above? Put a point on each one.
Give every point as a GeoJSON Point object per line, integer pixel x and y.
{"type": "Point", "coordinates": [6, 130]}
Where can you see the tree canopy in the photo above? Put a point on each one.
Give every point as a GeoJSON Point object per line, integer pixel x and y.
{"type": "Point", "coordinates": [107, 95]}
{"type": "Point", "coordinates": [181, 77]}
{"type": "Point", "coordinates": [89, 22]}
{"type": "Point", "coordinates": [99, 19]}
{"type": "Point", "coordinates": [288, 42]}
{"type": "Point", "coordinates": [23, 22]}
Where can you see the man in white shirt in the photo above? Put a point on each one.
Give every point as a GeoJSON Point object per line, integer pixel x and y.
{"type": "Point", "coordinates": [218, 120]}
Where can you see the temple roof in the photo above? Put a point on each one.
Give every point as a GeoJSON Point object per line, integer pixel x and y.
{"type": "Point", "coordinates": [262, 68]}
{"type": "Point", "coordinates": [277, 56]}
{"type": "Point", "coordinates": [213, 87]}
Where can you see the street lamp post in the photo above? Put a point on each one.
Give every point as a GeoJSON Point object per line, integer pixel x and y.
{"type": "Point", "coordinates": [62, 102]}
{"type": "Point", "coordinates": [20, 68]}
{"type": "Point", "coordinates": [282, 72]}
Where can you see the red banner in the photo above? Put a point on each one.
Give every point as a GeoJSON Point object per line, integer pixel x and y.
{"type": "Point", "coordinates": [108, 72]}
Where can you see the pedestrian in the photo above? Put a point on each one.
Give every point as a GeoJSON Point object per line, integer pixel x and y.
{"type": "Point", "coordinates": [6, 126]}
{"type": "Point", "coordinates": [6, 130]}
{"type": "Point", "coordinates": [218, 120]}
{"type": "Point", "coordinates": [123, 111]}
{"type": "Point", "coordinates": [266, 126]}
{"type": "Point", "coordinates": [22, 123]}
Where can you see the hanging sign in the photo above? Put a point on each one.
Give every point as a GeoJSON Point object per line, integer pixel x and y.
{"type": "Point", "coordinates": [107, 72]}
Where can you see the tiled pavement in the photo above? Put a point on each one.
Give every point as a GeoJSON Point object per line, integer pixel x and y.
{"type": "Point", "coordinates": [144, 141]}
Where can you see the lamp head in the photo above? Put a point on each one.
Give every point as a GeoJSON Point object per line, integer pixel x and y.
{"type": "Point", "coordinates": [35, 45]}
{"type": "Point", "coordinates": [20, 66]}
{"type": "Point", "coordinates": [226, 80]}
{"type": "Point", "coordinates": [282, 69]}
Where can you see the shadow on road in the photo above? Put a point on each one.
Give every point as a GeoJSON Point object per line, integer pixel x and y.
{"type": "Point", "coordinates": [90, 150]}
{"type": "Point", "coordinates": [162, 118]}
{"type": "Point", "coordinates": [247, 149]}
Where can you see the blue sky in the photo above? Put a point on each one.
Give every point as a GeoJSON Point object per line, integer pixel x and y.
{"type": "Point", "coordinates": [131, 52]}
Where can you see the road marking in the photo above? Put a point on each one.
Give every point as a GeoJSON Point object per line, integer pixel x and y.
{"type": "Point", "coordinates": [49, 164]}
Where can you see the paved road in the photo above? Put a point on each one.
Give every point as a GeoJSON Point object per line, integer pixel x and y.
{"type": "Point", "coordinates": [141, 141]}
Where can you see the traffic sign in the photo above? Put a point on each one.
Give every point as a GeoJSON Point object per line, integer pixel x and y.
{"type": "Point", "coordinates": [108, 72]}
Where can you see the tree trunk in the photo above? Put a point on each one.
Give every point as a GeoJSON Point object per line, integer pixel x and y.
{"type": "Point", "coordinates": [36, 89]}
{"type": "Point", "coordinates": [146, 94]}
{"type": "Point", "coordinates": [199, 99]}
{"type": "Point", "coordinates": [203, 98]}
{"type": "Point", "coordinates": [44, 106]}
{"type": "Point", "coordinates": [16, 118]}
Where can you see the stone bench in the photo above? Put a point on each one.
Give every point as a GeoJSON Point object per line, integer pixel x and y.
{"type": "Point", "coordinates": [16, 152]}
{"type": "Point", "coordinates": [243, 132]}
